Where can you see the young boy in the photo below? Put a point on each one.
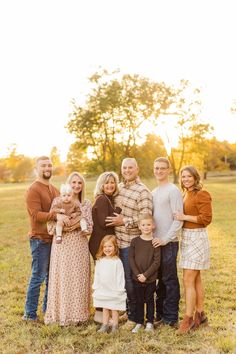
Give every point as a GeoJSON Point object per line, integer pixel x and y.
{"type": "Point", "coordinates": [144, 262]}
{"type": "Point", "coordinates": [65, 205]}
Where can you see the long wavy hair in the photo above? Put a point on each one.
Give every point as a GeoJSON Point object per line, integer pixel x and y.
{"type": "Point", "coordinates": [102, 179]}
{"type": "Point", "coordinates": [82, 193]}
{"type": "Point", "coordinates": [112, 238]}
{"type": "Point", "coordinates": [193, 172]}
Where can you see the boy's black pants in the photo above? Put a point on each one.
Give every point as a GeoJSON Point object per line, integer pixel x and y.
{"type": "Point", "coordinates": [144, 293]}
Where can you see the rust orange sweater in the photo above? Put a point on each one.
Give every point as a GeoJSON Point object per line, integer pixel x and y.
{"type": "Point", "coordinates": [39, 198]}
{"type": "Point", "coordinates": [197, 203]}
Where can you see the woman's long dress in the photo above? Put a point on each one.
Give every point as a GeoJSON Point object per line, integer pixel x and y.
{"type": "Point", "coordinates": [69, 276]}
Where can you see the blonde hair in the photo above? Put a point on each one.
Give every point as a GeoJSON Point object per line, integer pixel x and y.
{"type": "Point", "coordinates": [164, 160]}
{"type": "Point", "coordinates": [112, 238]}
{"type": "Point", "coordinates": [145, 216]}
{"type": "Point", "coordinates": [102, 179]}
{"type": "Point", "coordinates": [193, 172]}
{"type": "Point", "coordinates": [65, 188]}
{"type": "Point", "coordinates": [82, 193]}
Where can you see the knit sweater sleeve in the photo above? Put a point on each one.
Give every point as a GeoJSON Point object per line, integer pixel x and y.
{"type": "Point", "coordinates": [176, 204]}
{"type": "Point", "coordinates": [132, 263]}
{"type": "Point", "coordinates": [101, 208]}
{"type": "Point", "coordinates": [204, 208]}
{"type": "Point", "coordinates": [155, 264]}
{"type": "Point", "coordinates": [33, 202]}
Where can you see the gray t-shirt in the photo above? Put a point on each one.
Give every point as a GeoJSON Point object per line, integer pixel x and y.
{"type": "Point", "coordinates": [167, 200]}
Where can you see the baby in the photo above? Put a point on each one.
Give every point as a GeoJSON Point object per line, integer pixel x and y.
{"type": "Point", "coordinates": [65, 205]}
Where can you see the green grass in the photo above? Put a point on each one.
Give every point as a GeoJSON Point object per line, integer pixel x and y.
{"type": "Point", "coordinates": [220, 281]}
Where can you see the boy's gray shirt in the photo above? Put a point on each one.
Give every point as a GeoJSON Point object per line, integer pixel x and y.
{"type": "Point", "coordinates": [167, 200]}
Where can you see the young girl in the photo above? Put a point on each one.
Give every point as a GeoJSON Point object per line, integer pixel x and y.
{"type": "Point", "coordinates": [109, 283]}
{"type": "Point", "coordinates": [64, 205]}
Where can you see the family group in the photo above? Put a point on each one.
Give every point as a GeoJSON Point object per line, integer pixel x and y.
{"type": "Point", "coordinates": [133, 236]}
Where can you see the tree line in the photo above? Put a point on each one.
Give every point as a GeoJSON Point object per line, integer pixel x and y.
{"type": "Point", "coordinates": [113, 122]}
{"type": "Point", "coordinates": [216, 156]}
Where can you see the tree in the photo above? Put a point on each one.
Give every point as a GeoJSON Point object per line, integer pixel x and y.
{"type": "Point", "coordinates": [4, 172]}
{"type": "Point", "coordinates": [23, 170]}
{"type": "Point", "coordinates": [77, 158]}
{"type": "Point", "coordinates": [58, 168]}
{"type": "Point", "coordinates": [13, 158]}
{"type": "Point", "coordinates": [192, 132]}
{"type": "Point", "coordinates": [18, 168]}
{"type": "Point", "coordinates": [111, 120]}
{"type": "Point", "coordinates": [152, 148]}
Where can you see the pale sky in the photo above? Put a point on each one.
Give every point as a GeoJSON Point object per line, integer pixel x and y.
{"type": "Point", "coordinates": [50, 47]}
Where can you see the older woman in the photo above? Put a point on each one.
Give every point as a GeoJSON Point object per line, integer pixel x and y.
{"type": "Point", "coordinates": [69, 275]}
{"type": "Point", "coordinates": [105, 204]}
{"type": "Point", "coordinates": [194, 246]}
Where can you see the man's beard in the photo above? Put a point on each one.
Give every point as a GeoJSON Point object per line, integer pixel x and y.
{"type": "Point", "coordinates": [47, 175]}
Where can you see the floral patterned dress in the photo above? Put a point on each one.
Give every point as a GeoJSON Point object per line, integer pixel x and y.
{"type": "Point", "coordinates": [69, 275]}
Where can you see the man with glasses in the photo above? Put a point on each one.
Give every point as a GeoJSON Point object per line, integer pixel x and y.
{"type": "Point", "coordinates": [167, 199]}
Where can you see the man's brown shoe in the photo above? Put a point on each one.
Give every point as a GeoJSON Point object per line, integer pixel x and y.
{"type": "Point", "coordinates": [200, 319]}
{"type": "Point", "coordinates": [186, 325]}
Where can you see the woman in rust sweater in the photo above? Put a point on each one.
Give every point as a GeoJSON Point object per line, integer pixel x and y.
{"type": "Point", "coordinates": [194, 247]}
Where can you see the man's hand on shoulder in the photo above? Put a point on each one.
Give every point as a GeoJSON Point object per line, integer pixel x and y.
{"type": "Point", "coordinates": [157, 242]}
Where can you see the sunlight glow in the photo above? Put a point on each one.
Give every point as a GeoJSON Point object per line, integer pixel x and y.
{"type": "Point", "coordinates": [167, 129]}
{"type": "Point", "coordinates": [44, 67]}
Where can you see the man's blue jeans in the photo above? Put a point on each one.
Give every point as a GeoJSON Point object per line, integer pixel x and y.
{"type": "Point", "coordinates": [40, 252]}
{"type": "Point", "coordinates": [168, 292]}
{"type": "Point", "coordinates": [129, 285]}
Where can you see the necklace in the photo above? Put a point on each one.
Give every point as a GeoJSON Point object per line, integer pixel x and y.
{"type": "Point", "coordinates": [113, 208]}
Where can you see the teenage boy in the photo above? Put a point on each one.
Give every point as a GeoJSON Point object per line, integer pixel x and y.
{"type": "Point", "coordinates": [167, 200]}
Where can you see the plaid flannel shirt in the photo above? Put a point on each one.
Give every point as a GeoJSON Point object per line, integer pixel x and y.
{"type": "Point", "coordinates": [136, 199]}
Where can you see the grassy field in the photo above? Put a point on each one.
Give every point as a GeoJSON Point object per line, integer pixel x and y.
{"type": "Point", "coordinates": [20, 337]}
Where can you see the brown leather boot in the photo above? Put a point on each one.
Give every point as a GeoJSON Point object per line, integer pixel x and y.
{"type": "Point", "coordinates": [200, 319]}
{"type": "Point", "coordinates": [186, 325]}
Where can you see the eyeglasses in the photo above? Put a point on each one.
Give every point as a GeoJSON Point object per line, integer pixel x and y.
{"type": "Point", "coordinates": [160, 168]}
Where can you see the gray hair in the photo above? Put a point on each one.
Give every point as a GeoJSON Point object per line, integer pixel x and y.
{"type": "Point", "coordinates": [130, 159]}
{"type": "Point", "coordinates": [102, 179]}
